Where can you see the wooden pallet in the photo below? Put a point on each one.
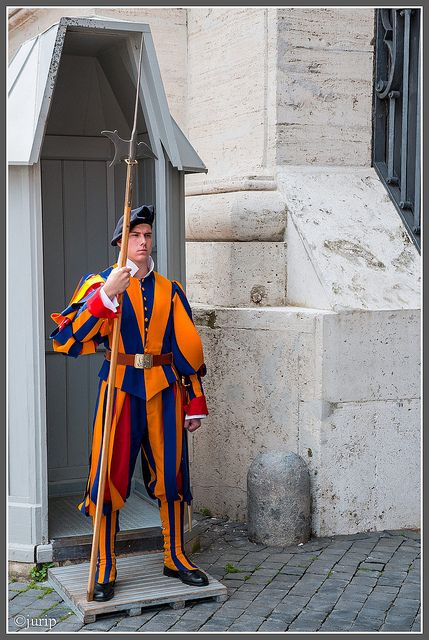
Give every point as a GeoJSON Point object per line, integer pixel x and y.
{"type": "Point", "coordinates": [140, 583]}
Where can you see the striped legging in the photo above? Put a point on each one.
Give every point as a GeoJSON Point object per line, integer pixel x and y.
{"type": "Point", "coordinates": [172, 519]}
{"type": "Point", "coordinates": [153, 428]}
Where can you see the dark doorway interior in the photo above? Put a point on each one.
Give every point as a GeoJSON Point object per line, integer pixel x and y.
{"type": "Point", "coordinates": [82, 197]}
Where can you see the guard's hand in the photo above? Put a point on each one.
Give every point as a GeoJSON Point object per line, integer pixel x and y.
{"type": "Point", "coordinates": [193, 424]}
{"type": "Point", "coordinates": [117, 282]}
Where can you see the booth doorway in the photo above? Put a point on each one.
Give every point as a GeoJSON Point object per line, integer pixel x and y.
{"type": "Point", "coordinates": [82, 198]}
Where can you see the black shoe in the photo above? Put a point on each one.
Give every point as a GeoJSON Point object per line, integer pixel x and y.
{"type": "Point", "coordinates": [195, 578]}
{"type": "Point", "coordinates": [104, 591]}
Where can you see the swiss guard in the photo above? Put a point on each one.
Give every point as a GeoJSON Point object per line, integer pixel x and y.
{"type": "Point", "coordinates": [158, 394]}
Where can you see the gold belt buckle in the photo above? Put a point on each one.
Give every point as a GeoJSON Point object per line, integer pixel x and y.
{"type": "Point", "coordinates": [143, 360]}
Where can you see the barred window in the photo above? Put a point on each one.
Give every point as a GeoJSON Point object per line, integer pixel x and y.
{"type": "Point", "coordinates": [397, 113]}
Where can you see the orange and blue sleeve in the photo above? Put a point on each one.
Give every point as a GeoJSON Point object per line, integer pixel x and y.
{"type": "Point", "coordinates": [188, 355]}
{"type": "Point", "coordinates": [85, 323]}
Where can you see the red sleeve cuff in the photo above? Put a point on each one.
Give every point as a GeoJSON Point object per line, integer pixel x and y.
{"type": "Point", "coordinates": [197, 406]}
{"type": "Point", "coordinates": [96, 307]}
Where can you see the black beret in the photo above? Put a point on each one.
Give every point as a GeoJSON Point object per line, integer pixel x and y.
{"type": "Point", "coordinates": [144, 214]}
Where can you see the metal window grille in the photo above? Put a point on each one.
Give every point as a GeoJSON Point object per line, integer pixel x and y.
{"type": "Point", "coordinates": [397, 113]}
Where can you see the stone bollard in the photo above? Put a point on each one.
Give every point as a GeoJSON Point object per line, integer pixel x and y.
{"type": "Point", "coordinates": [278, 499]}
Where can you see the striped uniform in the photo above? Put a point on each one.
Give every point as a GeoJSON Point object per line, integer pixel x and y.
{"type": "Point", "coordinates": [149, 404]}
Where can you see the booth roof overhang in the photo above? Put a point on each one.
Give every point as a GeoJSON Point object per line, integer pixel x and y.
{"type": "Point", "coordinates": [34, 69]}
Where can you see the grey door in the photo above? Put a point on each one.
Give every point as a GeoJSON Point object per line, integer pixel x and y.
{"type": "Point", "coordinates": [81, 200]}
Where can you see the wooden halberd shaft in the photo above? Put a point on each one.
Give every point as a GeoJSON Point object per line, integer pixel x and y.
{"type": "Point", "coordinates": [111, 383]}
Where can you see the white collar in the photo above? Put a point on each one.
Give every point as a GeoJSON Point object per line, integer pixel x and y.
{"type": "Point", "coordinates": [134, 268]}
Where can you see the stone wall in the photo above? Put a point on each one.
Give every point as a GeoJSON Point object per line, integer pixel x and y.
{"type": "Point", "coordinates": [305, 284]}
{"type": "Point", "coordinates": [231, 112]}
{"type": "Point", "coordinates": [364, 430]}
{"type": "Point", "coordinates": [260, 363]}
{"type": "Point", "coordinates": [328, 386]}
{"type": "Point", "coordinates": [324, 86]}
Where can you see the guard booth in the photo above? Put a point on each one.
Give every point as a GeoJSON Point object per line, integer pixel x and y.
{"type": "Point", "coordinates": [66, 86]}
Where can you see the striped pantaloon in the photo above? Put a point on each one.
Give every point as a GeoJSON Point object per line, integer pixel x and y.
{"type": "Point", "coordinates": [153, 428]}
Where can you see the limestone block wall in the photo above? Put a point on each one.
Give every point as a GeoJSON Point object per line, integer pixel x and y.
{"type": "Point", "coordinates": [324, 85]}
{"type": "Point", "coordinates": [260, 363]}
{"type": "Point", "coordinates": [328, 386]}
{"type": "Point", "coordinates": [237, 250]}
{"type": "Point", "coordinates": [362, 437]}
{"type": "Point", "coordinates": [291, 203]}
{"type": "Point", "coordinates": [235, 218]}
{"type": "Point", "coordinates": [344, 230]}
{"type": "Point", "coordinates": [231, 80]}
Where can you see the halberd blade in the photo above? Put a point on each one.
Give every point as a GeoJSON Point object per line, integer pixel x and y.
{"type": "Point", "coordinates": [143, 151]}
{"type": "Point", "coordinates": [122, 147]}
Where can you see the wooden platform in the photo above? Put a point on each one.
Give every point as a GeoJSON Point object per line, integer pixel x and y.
{"type": "Point", "coordinates": [140, 583]}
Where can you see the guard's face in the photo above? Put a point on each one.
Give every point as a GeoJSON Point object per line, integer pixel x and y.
{"type": "Point", "coordinates": [139, 243]}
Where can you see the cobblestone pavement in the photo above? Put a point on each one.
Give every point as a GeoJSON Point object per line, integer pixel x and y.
{"type": "Point", "coordinates": [363, 582]}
